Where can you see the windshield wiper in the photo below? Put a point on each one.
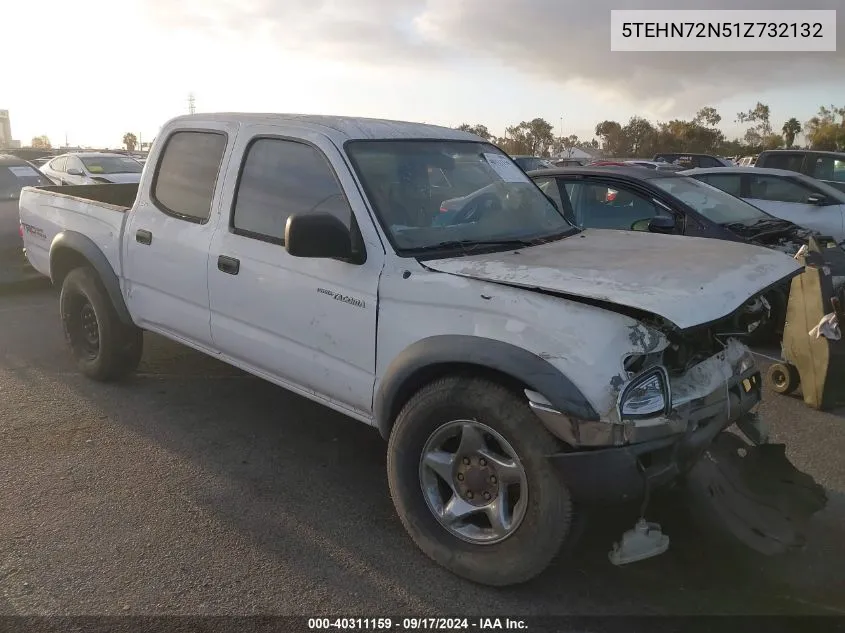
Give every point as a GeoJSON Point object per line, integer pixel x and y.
{"type": "Point", "coordinates": [469, 243]}
{"type": "Point", "coordinates": [771, 222]}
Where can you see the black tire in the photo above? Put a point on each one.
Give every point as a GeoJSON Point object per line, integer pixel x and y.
{"type": "Point", "coordinates": [783, 378]}
{"type": "Point", "coordinates": [546, 524]}
{"type": "Point", "coordinates": [118, 348]}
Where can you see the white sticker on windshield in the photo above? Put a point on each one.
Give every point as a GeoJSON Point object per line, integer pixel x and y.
{"type": "Point", "coordinates": [507, 170]}
{"type": "Point", "coordinates": [23, 171]}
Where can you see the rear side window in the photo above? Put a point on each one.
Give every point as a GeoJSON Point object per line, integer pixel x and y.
{"type": "Point", "coordinates": [789, 162]}
{"type": "Point", "coordinates": [187, 173]}
{"type": "Point", "coordinates": [729, 183]}
{"type": "Point", "coordinates": [280, 178]}
{"type": "Point", "coordinates": [828, 168]}
{"type": "Point", "coordinates": [707, 161]}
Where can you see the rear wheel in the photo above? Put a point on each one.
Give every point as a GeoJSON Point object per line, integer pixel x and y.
{"type": "Point", "coordinates": [471, 482]}
{"type": "Point", "coordinates": [103, 346]}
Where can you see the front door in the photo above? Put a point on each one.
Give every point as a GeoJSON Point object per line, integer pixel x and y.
{"type": "Point", "coordinates": [601, 204]}
{"type": "Point", "coordinates": [75, 172]}
{"type": "Point", "coordinates": [168, 236]}
{"type": "Point", "coordinates": [786, 198]}
{"type": "Point", "coordinates": [306, 323]}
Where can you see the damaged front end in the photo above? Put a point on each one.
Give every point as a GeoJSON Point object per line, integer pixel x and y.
{"type": "Point", "coordinates": [674, 422]}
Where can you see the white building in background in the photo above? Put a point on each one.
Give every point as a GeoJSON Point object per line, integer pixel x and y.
{"type": "Point", "coordinates": [6, 139]}
{"type": "Point", "coordinates": [5, 128]}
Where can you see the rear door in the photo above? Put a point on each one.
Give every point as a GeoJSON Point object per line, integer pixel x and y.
{"type": "Point", "coordinates": [170, 230]}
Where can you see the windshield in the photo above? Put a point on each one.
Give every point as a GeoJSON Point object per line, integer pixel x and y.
{"type": "Point", "coordinates": [427, 193]}
{"type": "Point", "coordinates": [112, 165]}
{"type": "Point", "coordinates": [714, 204]}
{"type": "Point", "coordinates": [13, 178]}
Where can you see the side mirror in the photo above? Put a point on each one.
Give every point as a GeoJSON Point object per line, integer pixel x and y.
{"type": "Point", "coordinates": [817, 199]}
{"type": "Point", "coordinates": [74, 172]}
{"type": "Point", "coordinates": [662, 224]}
{"type": "Point", "coordinates": [319, 235]}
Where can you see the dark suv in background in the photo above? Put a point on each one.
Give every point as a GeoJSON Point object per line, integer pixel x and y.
{"type": "Point", "coordinates": [15, 174]}
{"type": "Point", "coordinates": [828, 167]}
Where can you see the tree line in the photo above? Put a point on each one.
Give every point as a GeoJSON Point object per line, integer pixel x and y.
{"type": "Point", "coordinates": [641, 138]}
{"type": "Point", "coordinates": [130, 142]}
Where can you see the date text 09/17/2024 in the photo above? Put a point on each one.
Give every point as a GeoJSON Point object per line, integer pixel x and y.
{"type": "Point", "coordinates": [416, 624]}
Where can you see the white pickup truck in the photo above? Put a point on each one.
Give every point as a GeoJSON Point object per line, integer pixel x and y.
{"type": "Point", "coordinates": [520, 369]}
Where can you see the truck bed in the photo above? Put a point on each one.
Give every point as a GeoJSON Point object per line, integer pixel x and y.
{"type": "Point", "coordinates": [96, 211]}
{"type": "Point", "coordinates": [117, 195]}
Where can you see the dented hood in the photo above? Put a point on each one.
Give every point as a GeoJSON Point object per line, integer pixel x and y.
{"type": "Point", "coordinates": [687, 280]}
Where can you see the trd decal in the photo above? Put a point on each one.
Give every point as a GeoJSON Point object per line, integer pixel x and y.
{"type": "Point", "coordinates": [34, 230]}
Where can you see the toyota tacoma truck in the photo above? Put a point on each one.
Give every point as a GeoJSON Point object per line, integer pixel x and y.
{"type": "Point", "coordinates": [519, 369]}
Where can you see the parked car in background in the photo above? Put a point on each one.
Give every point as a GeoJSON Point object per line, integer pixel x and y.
{"type": "Point", "coordinates": [91, 168]}
{"type": "Point", "coordinates": [637, 199]}
{"type": "Point", "coordinates": [829, 167]}
{"type": "Point", "coordinates": [15, 174]}
{"type": "Point", "coordinates": [40, 162]}
{"type": "Point", "coordinates": [688, 161]}
{"type": "Point", "coordinates": [648, 164]}
{"type": "Point", "coordinates": [530, 163]}
{"type": "Point", "coordinates": [788, 195]}
{"type": "Point", "coordinates": [567, 162]}
{"type": "Point", "coordinates": [746, 161]}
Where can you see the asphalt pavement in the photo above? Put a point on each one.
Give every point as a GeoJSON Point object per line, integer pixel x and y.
{"type": "Point", "coordinates": [194, 488]}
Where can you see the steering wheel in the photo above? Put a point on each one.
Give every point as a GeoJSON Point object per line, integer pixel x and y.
{"type": "Point", "coordinates": [478, 206]}
{"type": "Point", "coordinates": [641, 225]}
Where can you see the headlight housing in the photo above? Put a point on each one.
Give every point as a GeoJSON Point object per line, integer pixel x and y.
{"type": "Point", "coordinates": [646, 396]}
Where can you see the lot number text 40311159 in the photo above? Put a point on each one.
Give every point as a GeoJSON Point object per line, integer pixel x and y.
{"type": "Point", "coordinates": [417, 624]}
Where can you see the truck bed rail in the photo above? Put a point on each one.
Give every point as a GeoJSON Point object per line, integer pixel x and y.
{"type": "Point", "coordinates": [118, 195]}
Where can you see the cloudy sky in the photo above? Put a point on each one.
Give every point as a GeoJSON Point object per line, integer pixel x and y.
{"type": "Point", "coordinates": [95, 69]}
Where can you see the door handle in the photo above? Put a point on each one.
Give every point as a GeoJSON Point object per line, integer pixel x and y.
{"type": "Point", "coordinates": [228, 265]}
{"type": "Point", "coordinates": [143, 237]}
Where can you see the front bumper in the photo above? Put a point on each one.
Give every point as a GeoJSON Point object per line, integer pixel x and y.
{"type": "Point", "coordinates": [656, 454]}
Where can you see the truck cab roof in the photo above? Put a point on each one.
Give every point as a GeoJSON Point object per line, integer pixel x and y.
{"type": "Point", "coordinates": [339, 128]}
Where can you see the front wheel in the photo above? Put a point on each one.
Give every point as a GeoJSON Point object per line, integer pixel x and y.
{"type": "Point", "coordinates": [103, 346]}
{"type": "Point", "coordinates": [471, 482]}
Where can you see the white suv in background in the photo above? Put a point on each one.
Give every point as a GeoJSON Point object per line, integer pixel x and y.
{"type": "Point", "coordinates": [93, 168]}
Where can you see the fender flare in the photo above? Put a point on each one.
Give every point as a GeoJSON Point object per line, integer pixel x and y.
{"type": "Point", "coordinates": [535, 372]}
{"type": "Point", "coordinates": [85, 246]}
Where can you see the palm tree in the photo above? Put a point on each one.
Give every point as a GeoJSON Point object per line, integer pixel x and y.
{"type": "Point", "coordinates": [130, 141]}
{"type": "Point", "coordinates": [791, 129]}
